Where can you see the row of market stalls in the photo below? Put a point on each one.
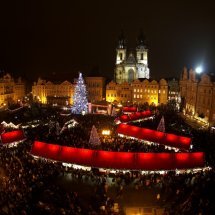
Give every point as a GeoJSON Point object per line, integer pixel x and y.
{"type": "Point", "coordinates": [106, 159]}
{"type": "Point", "coordinates": [154, 136]}
{"type": "Point", "coordinates": [120, 160]}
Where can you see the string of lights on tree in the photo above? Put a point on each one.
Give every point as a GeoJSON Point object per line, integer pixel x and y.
{"type": "Point", "coordinates": [80, 103]}
{"type": "Point", "coordinates": [94, 137]}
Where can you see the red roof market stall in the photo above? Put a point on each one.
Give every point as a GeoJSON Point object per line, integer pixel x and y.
{"type": "Point", "coordinates": [150, 161]}
{"type": "Point", "coordinates": [135, 116]}
{"type": "Point", "coordinates": [12, 137]}
{"type": "Point", "coordinates": [171, 140]}
{"type": "Point", "coordinates": [129, 109]}
{"type": "Point", "coordinates": [114, 160]}
{"type": "Point", "coordinates": [76, 155]}
{"type": "Point", "coordinates": [118, 160]}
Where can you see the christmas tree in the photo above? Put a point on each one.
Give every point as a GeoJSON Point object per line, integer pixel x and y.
{"type": "Point", "coordinates": [94, 137]}
{"type": "Point", "coordinates": [80, 105]}
{"type": "Point", "coordinates": [161, 126]}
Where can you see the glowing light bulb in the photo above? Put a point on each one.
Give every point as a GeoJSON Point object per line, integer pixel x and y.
{"type": "Point", "coordinates": [199, 69]}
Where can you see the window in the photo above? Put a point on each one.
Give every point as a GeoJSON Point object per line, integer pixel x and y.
{"type": "Point", "coordinates": [138, 96]}
{"type": "Point", "coordinates": [163, 91]}
{"type": "Point", "coordinates": [141, 56]}
{"type": "Point", "coordinates": [134, 96]}
{"type": "Point", "coordinates": [141, 96]}
{"type": "Point", "coordinates": [141, 90]}
{"type": "Point", "coordinates": [120, 56]}
{"type": "Point", "coordinates": [134, 90]}
{"type": "Point", "coordinates": [138, 90]}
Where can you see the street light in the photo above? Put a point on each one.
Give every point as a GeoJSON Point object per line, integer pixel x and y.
{"type": "Point", "coordinates": [106, 132]}
{"type": "Point", "coordinates": [199, 69]}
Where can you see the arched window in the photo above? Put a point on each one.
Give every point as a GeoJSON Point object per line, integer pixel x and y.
{"type": "Point", "coordinates": [141, 56]}
{"type": "Point", "coordinates": [130, 75]}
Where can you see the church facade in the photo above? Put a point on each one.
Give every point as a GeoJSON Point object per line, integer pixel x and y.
{"type": "Point", "coordinates": [131, 66]}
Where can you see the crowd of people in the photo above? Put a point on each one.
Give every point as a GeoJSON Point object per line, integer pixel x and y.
{"type": "Point", "coordinates": [186, 193]}
{"type": "Point", "coordinates": [28, 185]}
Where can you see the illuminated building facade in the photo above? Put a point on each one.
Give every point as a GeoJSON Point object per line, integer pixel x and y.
{"type": "Point", "coordinates": [198, 95]}
{"type": "Point", "coordinates": [11, 91]}
{"type": "Point", "coordinates": [173, 93]}
{"type": "Point", "coordinates": [118, 92]}
{"type": "Point", "coordinates": [95, 88]}
{"type": "Point", "coordinates": [48, 92]}
{"type": "Point", "coordinates": [140, 92]}
{"type": "Point", "coordinates": [129, 66]}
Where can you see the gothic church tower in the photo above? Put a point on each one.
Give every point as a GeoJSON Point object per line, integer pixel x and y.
{"type": "Point", "coordinates": [142, 57]}
{"type": "Point", "coordinates": [131, 67]}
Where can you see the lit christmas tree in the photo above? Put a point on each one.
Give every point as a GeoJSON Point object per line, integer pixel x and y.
{"type": "Point", "coordinates": [94, 137]}
{"type": "Point", "coordinates": [161, 126]}
{"type": "Point", "coordinates": [80, 105]}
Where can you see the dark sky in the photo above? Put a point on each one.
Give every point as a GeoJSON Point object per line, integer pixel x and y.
{"type": "Point", "coordinates": [62, 37]}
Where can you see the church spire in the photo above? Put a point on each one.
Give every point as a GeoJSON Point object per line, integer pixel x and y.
{"type": "Point", "coordinates": [121, 41]}
{"type": "Point", "coordinates": [141, 40]}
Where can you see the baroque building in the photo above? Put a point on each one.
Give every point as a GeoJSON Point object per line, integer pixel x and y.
{"type": "Point", "coordinates": [174, 92]}
{"type": "Point", "coordinates": [48, 92]}
{"type": "Point", "coordinates": [198, 95]}
{"type": "Point", "coordinates": [95, 88]}
{"type": "Point", "coordinates": [131, 66]}
{"type": "Point", "coordinates": [11, 91]}
{"type": "Point", "coordinates": [118, 92]}
{"type": "Point", "coordinates": [140, 92]}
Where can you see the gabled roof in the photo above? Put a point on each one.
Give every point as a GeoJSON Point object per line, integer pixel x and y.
{"type": "Point", "coordinates": [163, 82]}
{"type": "Point", "coordinates": [66, 83]}
{"type": "Point", "coordinates": [49, 83]}
{"type": "Point", "coordinates": [131, 59]}
{"type": "Point", "coordinates": [153, 82]}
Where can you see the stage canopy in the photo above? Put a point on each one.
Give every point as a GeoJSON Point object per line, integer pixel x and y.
{"type": "Point", "coordinates": [135, 116]}
{"type": "Point", "coordinates": [166, 139]}
{"type": "Point", "coordinates": [118, 160]}
{"type": "Point", "coordinates": [12, 137]}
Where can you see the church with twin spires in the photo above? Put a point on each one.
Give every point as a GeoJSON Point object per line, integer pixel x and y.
{"type": "Point", "coordinates": [131, 66]}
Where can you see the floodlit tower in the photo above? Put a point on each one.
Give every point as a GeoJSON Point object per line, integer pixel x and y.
{"type": "Point", "coordinates": [121, 49]}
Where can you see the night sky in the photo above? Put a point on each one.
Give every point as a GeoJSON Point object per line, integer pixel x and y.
{"type": "Point", "coordinates": [58, 38]}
